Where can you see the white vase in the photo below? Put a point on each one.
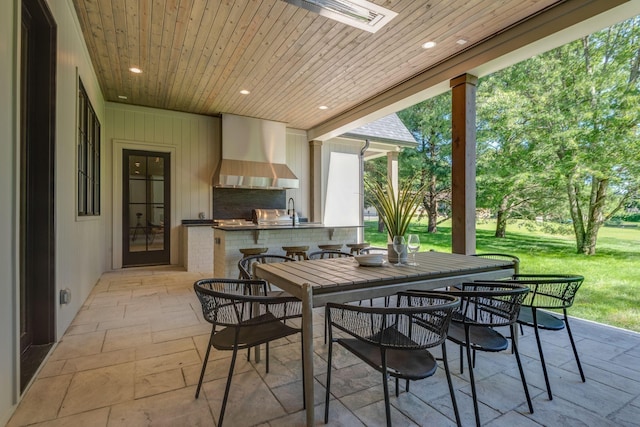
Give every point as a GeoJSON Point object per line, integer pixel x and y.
{"type": "Point", "coordinates": [392, 255]}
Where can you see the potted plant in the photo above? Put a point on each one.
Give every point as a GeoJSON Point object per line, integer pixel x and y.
{"type": "Point", "coordinates": [395, 210]}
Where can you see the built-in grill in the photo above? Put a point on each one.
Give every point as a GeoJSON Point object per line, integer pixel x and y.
{"type": "Point", "coordinates": [273, 217]}
{"type": "Point", "coordinates": [233, 223]}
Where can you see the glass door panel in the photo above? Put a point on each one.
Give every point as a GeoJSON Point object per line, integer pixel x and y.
{"type": "Point", "coordinates": [146, 208]}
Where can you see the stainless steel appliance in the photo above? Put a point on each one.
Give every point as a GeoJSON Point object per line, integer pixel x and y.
{"type": "Point", "coordinates": [274, 217]}
{"type": "Point", "coordinates": [253, 155]}
{"type": "Point", "coordinates": [233, 223]}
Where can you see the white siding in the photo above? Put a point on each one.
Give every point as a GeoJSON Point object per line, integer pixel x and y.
{"type": "Point", "coordinates": [194, 143]}
{"type": "Point", "coordinates": [298, 162]}
{"type": "Point", "coordinates": [79, 255]}
{"type": "Point", "coordinates": [79, 249]}
{"type": "Point", "coordinates": [336, 145]}
{"type": "Point", "coordinates": [8, 228]}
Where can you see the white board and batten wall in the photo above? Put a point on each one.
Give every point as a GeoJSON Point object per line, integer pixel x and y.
{"type": "Point", "coordinates": [190, 139]}
{"type": "Point", "coordinates": [79, 248]}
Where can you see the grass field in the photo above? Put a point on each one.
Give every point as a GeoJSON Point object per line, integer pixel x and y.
{"type": "Point", "coordinates": [610, 293]}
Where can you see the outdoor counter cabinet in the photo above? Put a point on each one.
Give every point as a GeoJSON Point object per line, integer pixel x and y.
{"type": "Point", "coordinates": [317, 282]}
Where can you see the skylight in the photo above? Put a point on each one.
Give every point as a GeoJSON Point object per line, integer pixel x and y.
{"type": "Point", "coordinates": [360, 14]}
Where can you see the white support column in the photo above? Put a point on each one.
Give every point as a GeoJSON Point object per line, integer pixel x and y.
{"type": "Point", "coordinates": [392, 173]}
{"type": "Point", "coordinates": [315, 173]}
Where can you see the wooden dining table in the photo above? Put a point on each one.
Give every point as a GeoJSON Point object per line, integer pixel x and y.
{"type": "Point", "coordinates": [316, 282]}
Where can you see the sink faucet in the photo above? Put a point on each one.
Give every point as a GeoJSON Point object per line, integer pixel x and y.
{"type": "Point", "coordinates": [291, 209]}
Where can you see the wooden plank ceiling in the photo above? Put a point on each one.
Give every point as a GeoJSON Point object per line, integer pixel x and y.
{"type": "Point", "coordinates": [197, 55]}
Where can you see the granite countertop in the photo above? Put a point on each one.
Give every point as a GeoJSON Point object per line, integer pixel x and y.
{"type": "Point", "coordinates": [197, 222]}
{"type": "Point", "coordinates": [301, 226]}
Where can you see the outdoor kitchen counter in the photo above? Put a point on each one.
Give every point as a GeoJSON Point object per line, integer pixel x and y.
{"type": "Point", "coordinates": [302, 225]}
{"type": "Point", "coordinates": [228, 240]}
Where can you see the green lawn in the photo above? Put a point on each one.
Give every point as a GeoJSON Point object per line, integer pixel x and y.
{"type": "Point", "coordinates": [610, 293]}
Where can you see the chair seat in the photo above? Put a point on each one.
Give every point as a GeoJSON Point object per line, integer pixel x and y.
{"type": "Point", "coordinates": [482, 337]}
{"type": "Point", "coordinates": [357, 247]}
{"type": "Point", "coordinates": [251, 334]}
{"type": "Point", "coordinates": [330, 247]}
{"type": "Point", "coordinates": [253, 251]}
{"type": "Point", "coordinates": [545, 319]}
{"type": "Point", "coordinates": [295, 248]}
{"type": "Point", "coordinates": [405, 364]}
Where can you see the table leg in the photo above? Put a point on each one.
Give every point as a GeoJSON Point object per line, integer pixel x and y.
{"type": "Point", "coordinates": [307, 345]}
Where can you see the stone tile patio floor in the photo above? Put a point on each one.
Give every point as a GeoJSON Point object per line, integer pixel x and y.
{"type": "Point", "coordinates": [133, 354]}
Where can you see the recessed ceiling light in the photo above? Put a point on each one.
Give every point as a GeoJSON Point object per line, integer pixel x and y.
{"type": "Point", "coordinates": [428, 45]}
{"type": "Point", "coordinates": [323, 107]}
{"type": "Point", "coordinates": [135, 70]}
{"type": "Point", "coordinates": [245, 92]}
{"type": "Point", "coordinates": [122, 97]}
{"type": "Point", "coordinates": [462, 41]}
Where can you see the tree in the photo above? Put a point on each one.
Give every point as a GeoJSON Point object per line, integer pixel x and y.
{"type": "Point", "coordinates": [430, 123]}
{"type": "Point", "coordinates": [599, 153]}
{"type": "Point", "coordinates": [581, 123]}
{"type": "Point", "coordinates": [512, 179]}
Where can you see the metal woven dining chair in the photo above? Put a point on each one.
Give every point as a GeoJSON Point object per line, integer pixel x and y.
{"type": "Point", "coordinates": [329, 253]}
{"type": "Point", "coordinates": [245, 267]}
{"type": "Point", "coordinates": [485, 306]}
{"type": "Point", "coordinates": [503, 257]}
{"type": "Point", "coordinates": [242, 317]}
{"type": "Point", "coordinates": [394, 340]}
{"type": "Point", "coordinates": [549, 291]}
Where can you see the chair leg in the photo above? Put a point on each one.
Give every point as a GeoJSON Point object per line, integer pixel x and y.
{"type": "Point", "coordinates": [204, 364]}
{"type": "Point", "coordinates": [326, 330]}
{"type": "Point", "coordinates": [267, 356]}
{"type": "Point", "coordinates": [540, 353]}
{"type": "Point", "coordinates": [304, 392]}
{"type": "Point", "coordinates": [450, 383]}
{"type": "Point", "coordinates": [573, 345]}
{"type": "Point", "coordinates": [385, 387]}
{"type": "Point", "coordinates": [328, 385]}
{"type": "Point", "coordinates": [397, 387]}
{"type": "Point", "coordinates": [514, 345]}
{"type": "Point", "coordinates": [228, 386]}
{"type": "Point", "coordinates": [461, 361]}
{"type": "Point", "coordinates": [472, 380]}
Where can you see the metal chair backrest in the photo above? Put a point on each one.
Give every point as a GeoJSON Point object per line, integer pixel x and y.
{"type": "Point", "coordinates": [489, 303]}
{"type": "Point", "coordinates": [244, 265]}
{"type": "Point", "coordinates": [242, 303]}
{"type": "Point", "coordinates": [549, 290]}
{"type": "Point", "coordinates": [419, 321]}
{"type": "Point", "coordinates": [329, 253]}
{"type": "Point", "coordinates": [503, 257]}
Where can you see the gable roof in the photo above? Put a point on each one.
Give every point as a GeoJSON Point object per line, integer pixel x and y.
{"type": "Point", "coordinates": [389, 129]}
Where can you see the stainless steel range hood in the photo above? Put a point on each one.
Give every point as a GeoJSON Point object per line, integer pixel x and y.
{"type": "Point", "coordinates": [253, 155]}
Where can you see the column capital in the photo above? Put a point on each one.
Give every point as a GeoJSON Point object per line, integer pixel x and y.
{"type": "Point", "coordinates": [463, 79]}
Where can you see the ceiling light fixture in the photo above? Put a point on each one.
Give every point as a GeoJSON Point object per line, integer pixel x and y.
{"type": "Point", "coordinates": [428, 45]}
{"type": "Point", "coordinates": [245, 92]}
{"type": "Point", "coordinates": [462, 41]}
{"type": "Point", "coordinates": [360, 14]}
{"type": "Point", "coordinates": [135, 70]}
{"type": "Point", "coordinates": [323, 107]}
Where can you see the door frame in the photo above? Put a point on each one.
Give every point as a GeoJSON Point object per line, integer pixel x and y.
{"type": "Point", "coordinates": [119, 145]}
{"type": "Point", "coordinates": [36, 259]}
{"type": "Point", "coordinates": [146, 257]}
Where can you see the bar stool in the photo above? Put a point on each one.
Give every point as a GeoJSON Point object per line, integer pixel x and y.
{"type": "Point", "coordinates": [247, 252]}
{"type": "Point", "coordinates": [297, 252]}
{"type": "Point", "coordinates": [357, 247]}
{"type": "Point", "coordinates": [330, 247]}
